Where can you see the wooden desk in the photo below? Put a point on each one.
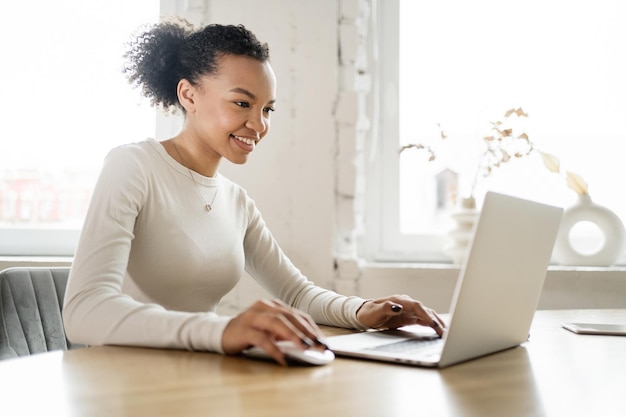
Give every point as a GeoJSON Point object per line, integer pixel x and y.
{"type": "Point", "coordinates": [557, 373]}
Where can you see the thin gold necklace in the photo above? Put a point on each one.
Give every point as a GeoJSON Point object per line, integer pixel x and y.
{"type": "Point", "coordinates": [208, 207]}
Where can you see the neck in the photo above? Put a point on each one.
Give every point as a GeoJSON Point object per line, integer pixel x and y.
{"type": "Point", "coordinates": [187, 153]}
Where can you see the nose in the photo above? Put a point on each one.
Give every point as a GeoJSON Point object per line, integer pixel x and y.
{"type": "Point", "coordinates": [258, 123]}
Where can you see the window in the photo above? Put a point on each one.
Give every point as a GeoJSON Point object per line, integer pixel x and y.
{"type": "Point", "coordinates": [66, 103]}
{"type": "Point", "coordinates": [455, 66]}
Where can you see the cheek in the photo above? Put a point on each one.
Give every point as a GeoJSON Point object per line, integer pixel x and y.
{"type": "Point", "coordinates": [220, 121]}
{"type": "Point", "coordinates": [268, 124]}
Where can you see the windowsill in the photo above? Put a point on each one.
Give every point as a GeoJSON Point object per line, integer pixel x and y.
{"type": "Point", "coordinates": [565, 287]}
{"type": "Point", "coordinates": [34, 261]}
{"type": "Point", "coordinates": [433, 284]}
{"type": "Point", "coordinates": [395, 266]}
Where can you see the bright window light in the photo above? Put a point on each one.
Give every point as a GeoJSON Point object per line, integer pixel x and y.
{"type": "Point", "coordinates": [463, 64]}
{"type": "Point", "coordinates": [65, 103]}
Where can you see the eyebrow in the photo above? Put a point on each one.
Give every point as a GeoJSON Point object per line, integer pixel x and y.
{"type": "Point", "coordinates": [248, 93]}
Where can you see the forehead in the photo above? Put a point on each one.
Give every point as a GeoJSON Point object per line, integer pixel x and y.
{"type": "Point", "coordinates": [241, 72]}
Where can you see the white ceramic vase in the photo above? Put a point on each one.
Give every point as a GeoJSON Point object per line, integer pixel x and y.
{"type": "Point", "coordinates": [459, 236]}
{"type": "Point", "coordinates": [610, 225]}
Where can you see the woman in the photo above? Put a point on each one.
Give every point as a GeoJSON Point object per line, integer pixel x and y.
{"type": "Point", "coordinates": [167, 236]}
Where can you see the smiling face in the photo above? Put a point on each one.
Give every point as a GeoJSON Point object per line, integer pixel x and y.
{"type": "Point", "coordinates": [227, 113]}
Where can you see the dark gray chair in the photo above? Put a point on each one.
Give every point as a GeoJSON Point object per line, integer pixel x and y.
{"type": "Point", "coordinates": [31, 301]}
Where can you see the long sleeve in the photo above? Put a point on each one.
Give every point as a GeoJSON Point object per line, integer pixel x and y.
{"type": "Point", "coordinates": [97, 311]}
{"type": "Point", "coordinates": [267, 263]}
{"type": "Point", "coordinates": [152, 264]}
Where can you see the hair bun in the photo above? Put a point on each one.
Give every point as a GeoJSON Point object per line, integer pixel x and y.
{"type": "Point", "coordinates": [165, 53]}
{"type": "Point", "coordinates": [153, 62]}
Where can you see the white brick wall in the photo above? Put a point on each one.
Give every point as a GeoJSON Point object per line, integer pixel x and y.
{"type": "Point", "coordinates": [352, 128]}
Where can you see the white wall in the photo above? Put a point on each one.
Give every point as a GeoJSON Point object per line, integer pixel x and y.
{"type": "Point", "coordinates": [291, 174]}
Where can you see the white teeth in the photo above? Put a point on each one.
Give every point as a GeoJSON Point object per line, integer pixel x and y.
{"type": "Point", "coordinates": [245, 140]}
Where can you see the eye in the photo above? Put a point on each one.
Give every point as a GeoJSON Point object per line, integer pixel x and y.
{"type": "Point", "coordinates": [268, 110]}
{"type": "Point", "coordinates": [243, 104]}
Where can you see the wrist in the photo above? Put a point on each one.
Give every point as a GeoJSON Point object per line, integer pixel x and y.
{"type": "Point", "coordinates": [358, 310]}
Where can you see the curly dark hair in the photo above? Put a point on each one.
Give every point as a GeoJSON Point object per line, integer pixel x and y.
{"type": "Point", "coordinates": [165, 53]}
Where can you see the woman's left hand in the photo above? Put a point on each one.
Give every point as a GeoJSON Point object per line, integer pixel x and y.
{"type": "Point", "coordinates": [396, 311]}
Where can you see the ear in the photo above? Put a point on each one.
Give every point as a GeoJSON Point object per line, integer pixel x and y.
{"type": "Point", "coordinates": [186, 95]}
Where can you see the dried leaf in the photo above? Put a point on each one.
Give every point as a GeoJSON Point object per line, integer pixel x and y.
{"type": "Point", "coordinates": [505, 156]}
{"type": "Point", "coordinates": [550, 161]}
{"type": "Point", "coordinates": [488, 138]}
{"type": "Point", "coordinates": [519, 112]}
{"type": "Point", "coordinates": [523, 136]}
{"type": "Point", "coordinates": [411, 145]}
{"type": "Point", "coordinates": [506, 132]}
{"type": "Point", "coordinates": [577, 183]}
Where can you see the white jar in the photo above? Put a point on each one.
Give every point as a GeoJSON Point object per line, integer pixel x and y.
{"type": "Point", "coordinates": [464, 217]}
{"type": "Point", "coordinates": [609, 224]}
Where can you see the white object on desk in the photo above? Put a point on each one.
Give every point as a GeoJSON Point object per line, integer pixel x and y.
{"type": "Point", "coordinates": [294, 354]}
{"type": "Point", "coordinates": [596, 328]}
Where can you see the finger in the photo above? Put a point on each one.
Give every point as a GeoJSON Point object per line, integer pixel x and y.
{"type": "Point", "coordinates": [427, 317]}
{"type": "Point", "coordinates": [308, 333]}
{"type": "Point", "coordinates": [439, 319]}
{"type": "Point", "coordinates": [262, 330]}
{"type": "Point", "coordinates": [266, 343]}
{"type": "Point", "coordinates": [410, 311]}
{"type": "Point", "coordinates": [435, 322]}
{"type": "Point", "coordinates": [280, 326]}
{"type": "Point", "coordinates": [308, 330]}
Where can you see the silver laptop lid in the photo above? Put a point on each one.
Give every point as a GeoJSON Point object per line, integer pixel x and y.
{"type": "Point", "coordinates": [499, 288]}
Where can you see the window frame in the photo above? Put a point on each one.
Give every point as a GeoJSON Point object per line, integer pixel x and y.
{"type": "Point", "coordinates": [382, 240]}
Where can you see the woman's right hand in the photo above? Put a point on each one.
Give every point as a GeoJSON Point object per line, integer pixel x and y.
{"type": "Point", "coordinates": [266, 322]}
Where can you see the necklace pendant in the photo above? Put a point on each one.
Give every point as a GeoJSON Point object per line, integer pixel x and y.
{"type": "Point", "coordinates": [208, 208]}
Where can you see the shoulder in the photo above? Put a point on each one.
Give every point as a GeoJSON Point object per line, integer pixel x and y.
{"type": "Point", "coordinates": [137, 151]}
{"type": "Point", "coordinates": [133, 158]}
{"type": "Point", "coordinates": [130, 165]}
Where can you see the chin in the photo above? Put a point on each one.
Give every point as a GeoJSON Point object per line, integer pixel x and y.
{"type": "Point", "coordinates": [239, 160]}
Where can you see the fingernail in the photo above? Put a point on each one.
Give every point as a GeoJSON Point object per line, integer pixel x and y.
{"type": "Point", "coordinates": [307, 342]}
{"type": "Point", "coordinates": [396, 308]}
{"type": "Point", "coordinates": [320, 343]}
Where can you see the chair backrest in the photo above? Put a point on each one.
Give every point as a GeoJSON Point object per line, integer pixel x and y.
{"type": "Point", "coordinates": [31, 300]}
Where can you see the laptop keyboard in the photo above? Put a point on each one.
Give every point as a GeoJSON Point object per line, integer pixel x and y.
{"type": "Point", "coordinates": [410, 346]}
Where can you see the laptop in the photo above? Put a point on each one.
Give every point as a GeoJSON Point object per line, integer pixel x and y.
{"type": "Point", "coordinates": [496, 295]}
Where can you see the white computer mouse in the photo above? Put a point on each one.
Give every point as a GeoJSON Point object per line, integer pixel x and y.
{"type": "Point", "coordinates": [294, 354]}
